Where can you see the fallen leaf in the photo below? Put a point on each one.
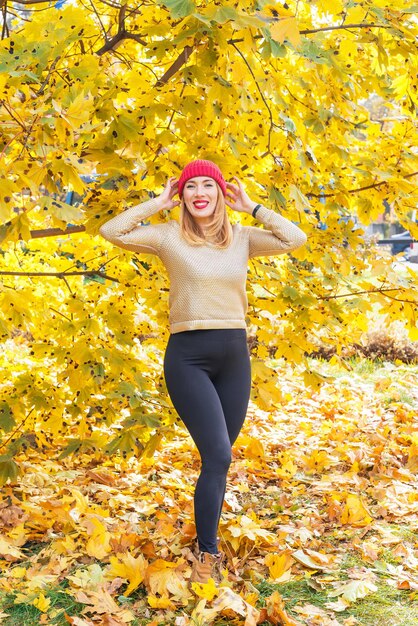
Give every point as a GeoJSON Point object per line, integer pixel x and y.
{"type": "Point", "coordinates": [279, 565]}
{"type": "Point", "coordinates": [205, 590]}
{"type": "Point", "coordinates": [354, 512]}
{"type": "Point", "coordinates": [42, 603]}
{"type": "Point", "coordinates": [8, 551]}
{"type": "Point", "coordinates": [354, 590]}
{"type": "Point", "coordinates": [160, 602]}
{"type": "Point", "coordinates": [276, 613]}
{"type": "Point", "coordinates": [314, 560]}
{"type": "Point", "coordinates": [128, 567]}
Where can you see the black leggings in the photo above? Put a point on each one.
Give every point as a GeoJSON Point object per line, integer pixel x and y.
{"type": "Point", "coordinates": [208, 377]}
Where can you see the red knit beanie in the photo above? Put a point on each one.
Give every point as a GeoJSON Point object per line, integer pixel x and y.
{"type": "Point", "coordinates": [201, 168]}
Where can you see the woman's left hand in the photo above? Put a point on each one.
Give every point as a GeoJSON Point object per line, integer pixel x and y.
{"type": "Point", "coordinates": [237, 198]}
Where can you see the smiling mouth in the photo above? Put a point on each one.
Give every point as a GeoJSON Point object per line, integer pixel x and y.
{"type": "Point", "coordinates": [200, 205]}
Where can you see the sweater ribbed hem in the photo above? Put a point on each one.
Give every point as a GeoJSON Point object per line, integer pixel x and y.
{"type": "Point", "coordinates": [178, 327]}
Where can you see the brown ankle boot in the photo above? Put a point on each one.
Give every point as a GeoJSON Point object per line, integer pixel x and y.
{"type": "Point", "coordinates": [205, 566]}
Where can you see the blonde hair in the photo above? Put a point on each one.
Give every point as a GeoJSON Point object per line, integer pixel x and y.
{"type": "Point", "coordinates": [220, 230]}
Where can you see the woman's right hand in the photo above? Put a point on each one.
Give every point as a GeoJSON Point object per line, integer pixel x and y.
{"type": "Point", "coordinates": [166, 198]}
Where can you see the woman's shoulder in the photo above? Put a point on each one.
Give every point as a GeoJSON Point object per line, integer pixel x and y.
{"type": "Point", "coordinates": [238, 228]}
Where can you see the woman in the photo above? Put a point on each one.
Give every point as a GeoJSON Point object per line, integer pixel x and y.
{"type": "Point", "coordinates": [207, 362]}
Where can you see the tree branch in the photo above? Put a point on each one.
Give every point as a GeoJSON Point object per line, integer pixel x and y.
{"type": "Point", "coordinates": [53, 232]}
{"type": "Point", "coordinates": [5, 28]}
{"type": "Point", "coordinates": [181, 60]}
{"type": "Point", "coordinates": [62, 275]}
{"type": "Point", "coordinates": [319, 30]}
{"type": "Point", "coordinates": [114, 42]}
{"type": "Point", "coordinates": [343, 27]}
{"type": "Point", "coordinates": [330, 195]}
{"type": "Point", "coordinates": [359, 293]}
{"type": "Point", "coordinates": [21, 124]}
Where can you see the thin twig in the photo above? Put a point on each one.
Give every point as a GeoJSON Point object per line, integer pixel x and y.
{"type": "Point", "coordinates": [60, 274]}
{"type": "Point", "coordinates": [18, 427]}
{"type": "Point", "coordinates": [330, 195]}
{"type": "Point", "coordinates": [21, 124]}
{"type": "Point", "coordinates": [51, 69]}
{"type": "Point", "coordinates": [359, 293]}
{"type": "Point", "coordinates": [62, 314]}
{"type": "Point", "coordinates": [261, 94]}
{"type": "Point", "coordinates": [319, 30]}
{"type": "Point", "coordinates": [99, 19]}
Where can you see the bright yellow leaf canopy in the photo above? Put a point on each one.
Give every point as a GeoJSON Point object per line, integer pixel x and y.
{"type": "Point", "coordinates": [311, 104]}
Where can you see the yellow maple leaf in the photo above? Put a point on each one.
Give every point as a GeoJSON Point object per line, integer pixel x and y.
{"type": "Point", "coordinates": [161, 577]}
{"type": "Point", "coordinates": [355, 589]}
{"type": "Point", "coordinates": [42, 603]}
{"type": "Point", "coordinates": [330, 6]}
{"type": "Point", "coordinates": [275, 10]}
{"type": "Point", "coordinates": [129, 567]}
{"type": "Point", "coordinates": [255, 449]}
{"type": "Point", "coordinates": [287, 467]}
{"type": "Point", "coordinates": [354, 512]}
{"type": "Point", "coordinates": [98, 544]}
{"type": "Point", "coordinates": [314, 560]}
{"type": "Point", "coordinates": [317, 460]}
{"type": "Point", "coordinates": [355, 14]}
{"type": "Point", "coordinates": [205, 590]}
{"type": "Point", "coordinates": [286, 28]}
{"type": "Point", "coordinates": [163, 602]}
{"type": "Point", "coordinates": [279, 565]}
{"type": "Point", "coordinates": [229, 600]}
{"type": "Point", "coordinates": [400, 84]}
{"type": "Point", "coordinates": [18, 572]}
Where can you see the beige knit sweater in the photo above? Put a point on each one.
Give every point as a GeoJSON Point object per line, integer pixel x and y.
{"type": "Point", "coordinates": [207, 284]}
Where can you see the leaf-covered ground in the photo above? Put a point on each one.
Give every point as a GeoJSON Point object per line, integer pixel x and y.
{"type": "Point", "coordinates": [319, 524]}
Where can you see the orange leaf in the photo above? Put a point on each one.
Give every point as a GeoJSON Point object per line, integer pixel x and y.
{"type": "Point", "coordinates": [276, 613]}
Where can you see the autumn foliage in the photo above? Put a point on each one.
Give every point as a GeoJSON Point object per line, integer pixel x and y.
{"type": "Point", "coordinates": [319, 495]}
{"type": "Point", "coordinates": [277, 94]}
{"type": "Point", "coordinates": [313, 106]}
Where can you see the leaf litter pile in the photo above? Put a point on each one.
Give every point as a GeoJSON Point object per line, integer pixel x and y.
{"type": "Point", "coordinates": [321, 499]}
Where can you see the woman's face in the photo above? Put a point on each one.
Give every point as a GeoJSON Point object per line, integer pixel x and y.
{"type": "Point", "coordinates": [200, 196]}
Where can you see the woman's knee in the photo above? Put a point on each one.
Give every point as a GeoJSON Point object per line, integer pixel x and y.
{"type": "Point", "coordinates": [217, 460]}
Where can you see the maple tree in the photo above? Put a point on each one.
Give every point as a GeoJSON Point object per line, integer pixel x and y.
{"type": "Point", "coordinates": [273, 93]}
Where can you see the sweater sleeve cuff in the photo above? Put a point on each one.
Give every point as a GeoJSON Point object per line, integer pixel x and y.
{"type": "Point", "coordinates": [263, 213]}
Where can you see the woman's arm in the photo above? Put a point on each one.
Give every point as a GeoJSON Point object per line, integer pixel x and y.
{"type": "Point", "coordinates": [280, 235]}
{"type": "Point", "coordinates": [125, 231]}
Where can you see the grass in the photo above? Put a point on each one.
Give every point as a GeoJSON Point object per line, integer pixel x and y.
{"type": "Point", "coordinates": [24, 614]}
{"type": "Point", "coordinates": [385, 607]}
{"type": "Point", "coordinates": [388, 606]}
{"type": "Point", "coordinates": [401, 396]}
{"type": "Point", "coordinates": [28, 615]}
{"type": "Point", "coordinates": [364, 367]}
